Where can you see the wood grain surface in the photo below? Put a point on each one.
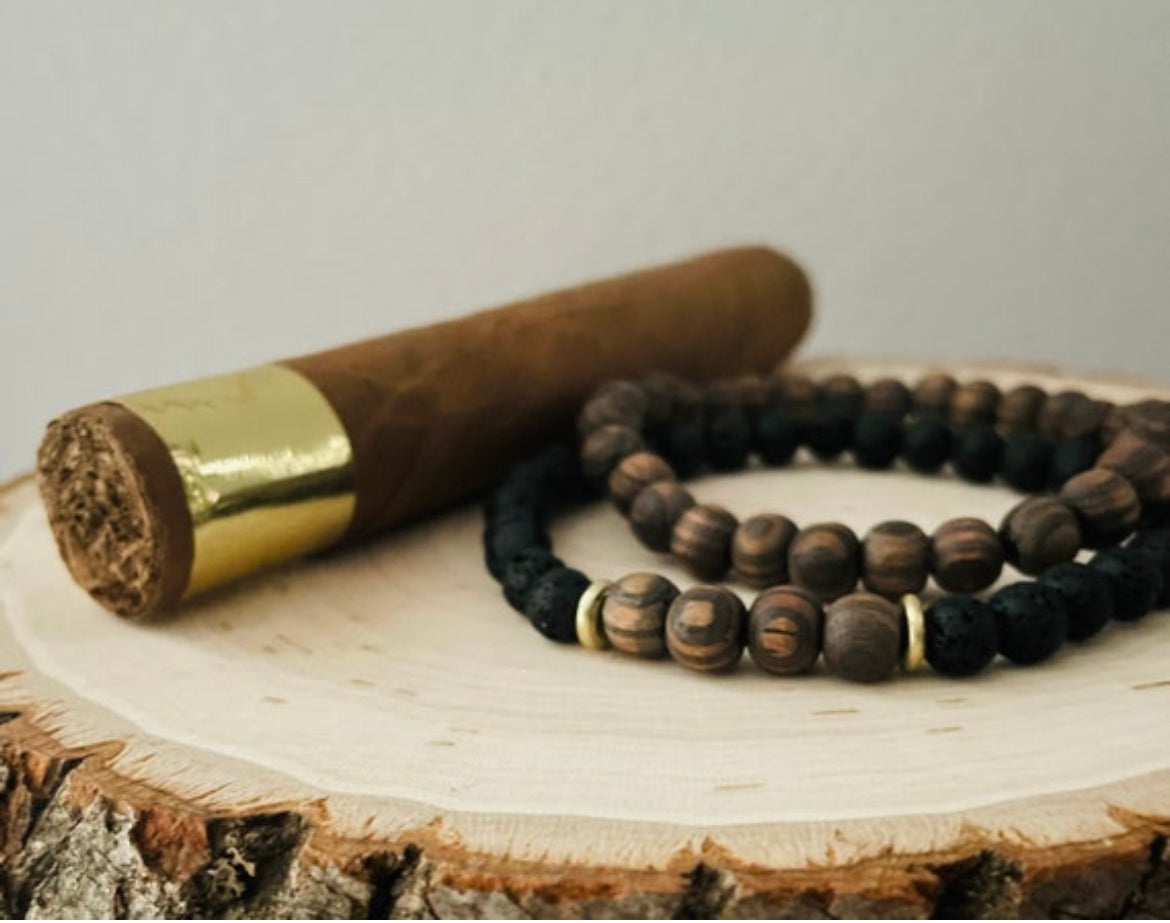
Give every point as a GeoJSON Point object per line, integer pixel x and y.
{"type": "Point", "coordinates": [377, 733]}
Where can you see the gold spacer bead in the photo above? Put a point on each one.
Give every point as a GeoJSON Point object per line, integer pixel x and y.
{"type": "Point", "coordinates": [915, 633]}
{"type": "Point", "coordinates": [590, 631]}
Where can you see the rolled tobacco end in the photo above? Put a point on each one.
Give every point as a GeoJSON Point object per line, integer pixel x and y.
{"type": "Point", "coordinates": [160, 495]}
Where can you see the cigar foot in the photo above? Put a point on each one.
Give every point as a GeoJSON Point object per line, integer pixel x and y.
{"type": "Point", "coordinates": [117, 509]}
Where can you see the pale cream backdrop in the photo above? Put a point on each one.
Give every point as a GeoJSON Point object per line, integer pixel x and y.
{"type": "Point", "coordinates": [188, 188]}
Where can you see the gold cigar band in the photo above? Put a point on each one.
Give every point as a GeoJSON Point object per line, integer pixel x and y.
{"type": "Point", "coordinates": [266, 467]}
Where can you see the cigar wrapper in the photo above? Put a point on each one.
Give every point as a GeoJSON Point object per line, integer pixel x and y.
{"type": "Point", "coordinates": [209, 480]}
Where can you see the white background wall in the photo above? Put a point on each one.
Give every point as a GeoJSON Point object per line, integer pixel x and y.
{"type": "Point", "coordinates": [187, 188]}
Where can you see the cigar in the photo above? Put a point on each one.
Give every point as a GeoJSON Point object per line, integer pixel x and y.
{"type": "Point", "coordinates": [158, 496]}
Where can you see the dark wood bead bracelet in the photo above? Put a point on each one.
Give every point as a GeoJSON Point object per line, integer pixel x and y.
{"type": "Point", "coordinates": [862, 636]}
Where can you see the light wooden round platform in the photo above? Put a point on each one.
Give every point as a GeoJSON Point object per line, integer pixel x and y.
{"type": "Point", "coordinates": [378, 733]}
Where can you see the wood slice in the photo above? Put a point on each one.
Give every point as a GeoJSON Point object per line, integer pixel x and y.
{"type": "Point", "coordinates": [377, 733]}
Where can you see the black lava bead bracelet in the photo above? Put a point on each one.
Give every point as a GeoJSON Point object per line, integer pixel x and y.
{"type": "Point", "coordinates": [861, 636]}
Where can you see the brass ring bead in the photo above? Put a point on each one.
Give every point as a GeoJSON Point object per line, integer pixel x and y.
{"type": "Point", "coordinates": [915, 653]}
{"type": "Point", "coordinates": [590, 630]}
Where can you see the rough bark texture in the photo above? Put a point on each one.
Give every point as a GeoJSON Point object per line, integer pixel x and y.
{"type": "Point", "coordinates": [78, 841]}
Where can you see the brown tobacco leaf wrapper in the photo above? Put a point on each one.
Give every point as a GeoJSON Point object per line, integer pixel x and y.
{"type": "Point", "coordinates": [160, 495]}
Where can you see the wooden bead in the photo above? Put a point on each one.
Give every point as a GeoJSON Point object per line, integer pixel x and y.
{"type": "Point", "coordinates": [750, 392]}
{"type": "Point", "coordinates": [633, 613]}
{"type": "Point", "coordinates": [966, 555]}
{"type": "Point", "coordinates": [825, 559]}
{"type": "Point", "coordinates": [895, 559]}
{"type": "Point", "coordinates": [1071, 415]}
{"type": "Point", "coordinates": [784, 630]}
{"type": "Point", "coordinates": [605, 447]}
{"type": "Point", "coordinates": [843, 394]}
{"type": "Point", "coordinates": [1149, 419]}
{"type": "Point", "coordinates": [620, 402]}
{"type": "Point", "coordinates": [863, 637]}
{"type": "Point", "coordinates": [668, 396]}
{"type": "Point", "coordinates": [795, 392]}
{"type": "Point", "coordinates": [1038, 533]}
{"type": "Point", "coordinates": [701, 540]}
{"type": "Point", "coordinates": [705, 629]}
{"type": "Point", "coordinates": [934, 392]}
{"type": "Point", "coordinates": [635, 472]}
{"type": "Point", "coordinates": [759, 549]}
{"type": "Point", "coordinates": [655, 511]}
{"type": "Point", "coordinates": [1145, 465]}
{"type": "Point", "coordinates": [1106, 505]}
{"type": "Point", "coordinates": [974, 402]}
{"type": "Point", "coordinates": [888, 396]}
{"type": "Point", "coordinates": [1019, 409]}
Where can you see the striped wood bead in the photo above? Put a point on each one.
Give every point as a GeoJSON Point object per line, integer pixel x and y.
{"type": "Point", "coordinates": [701, 540]}
{"type": "Point", "coordinates": [843, 394]}
{"type": "Point", "coordinates": [966, 555]}
{"type": "Point", "coordinates": [1106, 505]}
{"type": "Point", "coordinates": [759, 549]}
{"type": "Point", "coordinates": [934, 392]}
{"type": "Point", "coordinates": [795, 392]}
{"type": "Point", "coordinates": [825, 559]}
{"type": "Point", "coordinates": [1019, 409]}
{"type": "Point", "coordinates": [974, 402]}
{"type": "Point", "coordinates": [605, 447]}
{"type": "Point", "coordinates": [863, 637]}
{"type": "Point", "coordinates": [705, 629]}
{"type": "Point", "coordinates": [620, 402]}
{"type": "Point", "coordinates": [1038, 533]}
{"type": "Point", "coordinates": [784, 630]}
{"type": "Point", "coordinates": [633, 613]}
{"type": "Point", "coordinates": [633, 473]}
{"type": "Point", "coordinates": [1141, 462]}
{"type": "Point", "coordinates": [888, 396]}
{"type": "Point", "coordinates": [1072, 415]}
{"type": "Point", "coordinates": [655, 511]}
{"type": "Point", "coordinates": [895, 559]}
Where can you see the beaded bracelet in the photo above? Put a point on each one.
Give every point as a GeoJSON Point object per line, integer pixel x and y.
{"type": "Point", "coordinates": [862, 636]}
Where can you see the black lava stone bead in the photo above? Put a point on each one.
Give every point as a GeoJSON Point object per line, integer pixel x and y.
{"type": "Point", "coordinates": [729, 437]}
{"type": "Point", "coordinates": [686, 445]}
{"type": "Point", "coordinates": [828, 434]}
{"type": "Point", "coordinates": [1136, 579]}
{"type": "Point", "coordinates": [977, 454]}
{"type": "Point", "coordinates": [961, 635]}
{"type": "Point", "coordinates": [776, 436]}
{"type": "Point", "coordinates": [1086, 594]}
{"type": "Point", "coordinates": [1072, 456]}
{"type": "Point", "coordinates": [877, 440]}
{"type": "Point", "coordinates": [927, 444]}
{"type": "Point", "coordinates": [522, 571]}
{"type": "Point", "coordinates": [1031, 620]}
{"type": "Point", "coordinates": [552, 603]}
{"type": "Point", "coordinates": [504, 540]}
{"type": "Point", "coordinates": [1027, 462]}
{"type": "Point", "coordinates": [1156, 543]}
